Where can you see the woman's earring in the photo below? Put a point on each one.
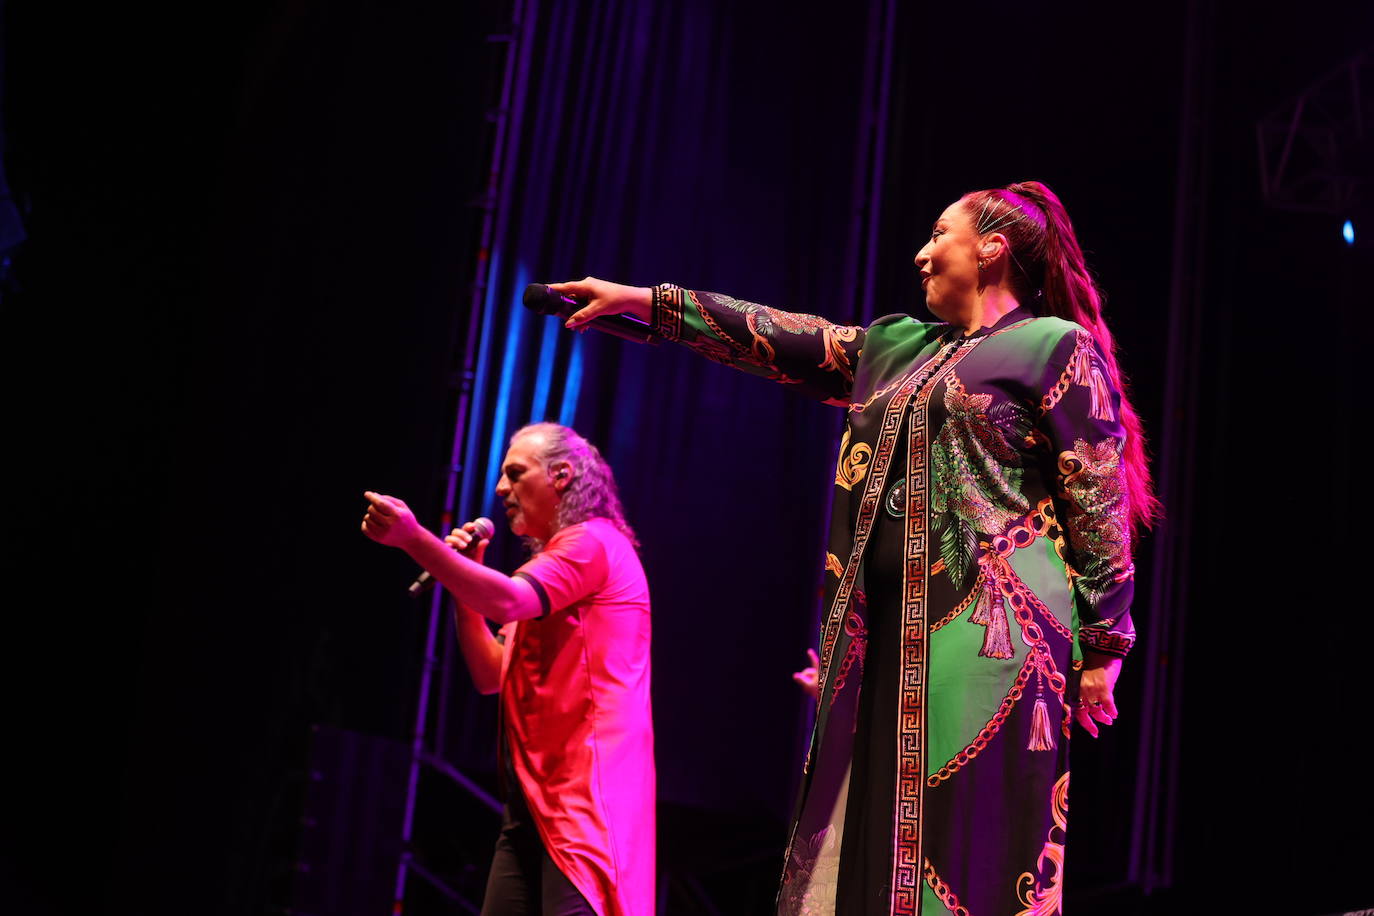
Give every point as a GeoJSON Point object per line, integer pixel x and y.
{"type": "Point", "coordinates": [982, 265]}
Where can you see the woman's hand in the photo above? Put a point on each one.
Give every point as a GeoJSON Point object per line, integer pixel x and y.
{"type": "Point", "coordinates": [1095, 700]}
{"type": "Point", "coordinates": [389, 521]}
{"type": "Point", "coordinates": [809, 678]}
{"type": "Point", "coordinates": [605, 298]}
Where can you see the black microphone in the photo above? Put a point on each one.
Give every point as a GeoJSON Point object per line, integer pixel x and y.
{"type": "Point", "coordinates": [544, 301]}
{"type": "Point", "coordinates": [483, 528]}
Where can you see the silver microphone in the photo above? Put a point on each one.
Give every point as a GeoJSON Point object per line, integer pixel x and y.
{"type": "Point", "coordinates": [482, 528]}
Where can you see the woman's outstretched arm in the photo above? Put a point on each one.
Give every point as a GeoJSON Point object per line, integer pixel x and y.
{"type": "Point", "coordinates": [814, 355]}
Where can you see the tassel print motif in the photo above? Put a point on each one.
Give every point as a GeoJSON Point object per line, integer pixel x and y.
{"type": "Point", "coordinates": [1042, 732]}
{"type": "Point", "coordinates": [1083, 368]}
{"type": "Point", "coordinates": [991, 612]}
{"type": "Point", "coordinates": [1001, 586]}
{"type": "Point", "coordinates": [1088, 373]}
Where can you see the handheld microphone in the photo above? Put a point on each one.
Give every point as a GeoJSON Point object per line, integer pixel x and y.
{"type": "Point", "coordinates": [482, 528]}
{"type": "Point", "coordinates": [540, 299]}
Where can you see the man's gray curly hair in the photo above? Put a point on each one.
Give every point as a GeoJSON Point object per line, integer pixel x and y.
{"type": "Point", "coordinates": [592, 493]}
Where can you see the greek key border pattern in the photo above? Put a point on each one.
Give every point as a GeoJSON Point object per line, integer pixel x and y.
{"type": "Point", "coordinates": [911, 706]}
{"type": "Point", "coordinates": [666, 315]}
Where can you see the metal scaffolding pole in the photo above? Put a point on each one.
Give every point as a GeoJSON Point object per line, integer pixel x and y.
{"type": "Point", "coordinates": [1316, 151]}
{"type": "Point", "coordinates": [501, 119]}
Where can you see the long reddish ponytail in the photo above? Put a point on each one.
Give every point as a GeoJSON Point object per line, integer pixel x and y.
{"type": "Point", "coordinates": [1050, 276]}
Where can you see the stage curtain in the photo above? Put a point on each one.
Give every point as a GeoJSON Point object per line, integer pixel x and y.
{"type": "Point", "coordinates": [713, 147]}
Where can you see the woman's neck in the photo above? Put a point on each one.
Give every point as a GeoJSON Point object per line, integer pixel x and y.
{"type": "Point", "coordinates": [992, 306]}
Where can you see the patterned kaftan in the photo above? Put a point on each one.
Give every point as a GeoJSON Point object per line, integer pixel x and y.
{"type": "Point", "coordinates": [979, 538]}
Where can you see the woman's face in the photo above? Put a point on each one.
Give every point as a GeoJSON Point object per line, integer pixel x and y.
{"type": "Point", "coordinates": [949, 264]}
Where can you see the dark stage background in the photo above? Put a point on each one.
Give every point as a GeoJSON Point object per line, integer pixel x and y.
{"type": "Point", "coordinates": [244, 297]}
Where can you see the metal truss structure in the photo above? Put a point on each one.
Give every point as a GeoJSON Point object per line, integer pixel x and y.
{"type": "Point", "coordinates": [1316, 152]}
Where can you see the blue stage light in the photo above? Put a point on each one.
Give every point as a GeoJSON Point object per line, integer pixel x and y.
{"type": "Point", "coordinates": [1348, 232]}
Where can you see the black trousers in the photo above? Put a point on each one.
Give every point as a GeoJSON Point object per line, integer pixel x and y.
{"type": "Point", "coordinates": [523, 880]}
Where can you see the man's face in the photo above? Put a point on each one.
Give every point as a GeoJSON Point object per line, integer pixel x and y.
{"type": "Point", "coordinates": [526, 490]}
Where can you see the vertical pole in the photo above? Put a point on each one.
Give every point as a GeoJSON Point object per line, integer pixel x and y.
{"type": "Point", "coordinates": [490, 200]}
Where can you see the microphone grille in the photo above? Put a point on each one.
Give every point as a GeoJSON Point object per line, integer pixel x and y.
{"type": "Point", "coordinates": [544, 301]}
{"type": "Point", "coordinates": [483, 527]}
